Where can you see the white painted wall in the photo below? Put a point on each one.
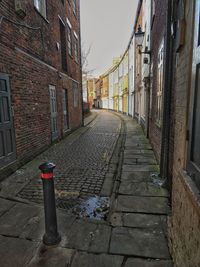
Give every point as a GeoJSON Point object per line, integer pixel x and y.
{"type": "Point", "coordinates": [146, 43]}
{"type": "Point", "coordinates": [105, 102]}
{"type": "Point", "coordinates": [120, 73]}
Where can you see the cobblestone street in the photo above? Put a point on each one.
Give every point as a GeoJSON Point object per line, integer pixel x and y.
{"type": "Point", "coordinates": [81, 164]}
{"type": "Point", "coordinates": [109, 161]}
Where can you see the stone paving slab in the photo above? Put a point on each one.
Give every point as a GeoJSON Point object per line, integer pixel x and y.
{"type": "Point", "coordinates": [133, 157]}
{"type": "Point", "coordinates": [141, 243]}
{"type": "Point", "coordinates": [141, 146]}
{"type": "Point", "coordinates": [138, 151]}
{"type": "Point", "coordinates": [137, 220]}
{"type": "Point", "coordinates": [144, 167]}
{"type": "Point", "coordinates": [51, 257]}
{"type": "Point", "coordinates": [136, 141]}
{"type": "Point", "coordinates": [35, 228]}
{"type": "Point", "coordinates": [142, 189]}
{"type": "Point", "coordinates": [131, 262]}
{"type": "Point", "coordinates": [136, 176]}
{"type": "Point", "coordinates": [5, 205]}
{"type": "Point", "coordinates": [89, 237]}
{"type": "Point", "coordinates": [16, 252]}
{"type": "Point", "coordinates": [93, 260]}
{"type": "Point", "coordinates": [142, 161]}
{"type": "Point", "coordinates": [144, 220]}
{"type": "Point", "coordinates": [153, 205]}
{"type": "Point", "coordinates": [15, 220]}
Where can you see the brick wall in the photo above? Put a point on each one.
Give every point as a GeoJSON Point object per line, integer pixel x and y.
{"type": "Point", "coordinates": [184, 222]}
{"type": "Point", "coordinates": [158, 32]}
{"type": "Point", "coordinates": [32, 60]}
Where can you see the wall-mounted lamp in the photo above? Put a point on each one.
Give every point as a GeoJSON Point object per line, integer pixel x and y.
{"type": "Point", "coordinates": [139, 38]}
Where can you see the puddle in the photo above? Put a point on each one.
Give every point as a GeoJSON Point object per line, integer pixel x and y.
{"type": "Point", "coordinates": [94, 207]}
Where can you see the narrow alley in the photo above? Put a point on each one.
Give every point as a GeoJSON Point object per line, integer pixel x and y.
{"type": "Point", "coordinates": [100, 133]}
{"type": "Point", "coordinates": [119, 165]}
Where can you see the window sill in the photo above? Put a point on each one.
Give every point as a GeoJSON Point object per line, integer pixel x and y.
{"type": "Point", "coordinates": [40, 14]}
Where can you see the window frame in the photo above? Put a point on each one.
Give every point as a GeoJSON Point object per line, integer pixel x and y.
{"type": "Point", "coordinates": [69, 39]}
{"type": "Point", "coordinates": [160, 83]}
{"type": "Point", "coordinates": [76, 48]}
{"type": "Point", "coordinates": [63, 49]}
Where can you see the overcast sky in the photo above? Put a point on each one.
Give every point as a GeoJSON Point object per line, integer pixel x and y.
{"type": "Point", "coordinates": [106, 25]}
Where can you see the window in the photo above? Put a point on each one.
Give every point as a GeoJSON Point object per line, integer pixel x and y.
{"type": "Point", "coordinates": [41, 7]}
{"type": "Point", "coordinates": [63, 46]}
{"type": "Point", "coordinates": [76, 47]}
{"type": "Point", "coordinates": [69, 39]}
{"type": "Point", "coordinates": [74, 6]}
{"type": "Point", "coordinates": [75, 94]}
{"type": "Point", "coordinates": [159, 84]}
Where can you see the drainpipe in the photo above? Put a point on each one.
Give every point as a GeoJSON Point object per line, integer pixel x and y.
{"type": "Point", "coordinates": [167, 116]}
{"type": "Point", "coordinates": [81, 74]}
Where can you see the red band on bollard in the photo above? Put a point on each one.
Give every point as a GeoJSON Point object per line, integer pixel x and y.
{"type": "Point", "coordinates": [47, 175]}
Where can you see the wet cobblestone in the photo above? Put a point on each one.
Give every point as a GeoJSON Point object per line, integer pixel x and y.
{"type": "Point", "coordinates": [81, 166]}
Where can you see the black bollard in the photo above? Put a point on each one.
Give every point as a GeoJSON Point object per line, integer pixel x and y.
{"type": "Point", "coordinates": [51, 236]}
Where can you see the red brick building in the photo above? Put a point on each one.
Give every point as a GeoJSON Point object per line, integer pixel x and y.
{"type": "Point", "coordinates": [40, 76]}
{"type": "Point", "coordinates": [98, 88]}
{"type": "Point", "coordinates": [158, 51]}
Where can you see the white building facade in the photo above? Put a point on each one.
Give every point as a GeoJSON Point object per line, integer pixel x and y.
{"type": "Point", "coordinates": [131, 77]}
{"type": "Point", "coordinates": [120, 74]}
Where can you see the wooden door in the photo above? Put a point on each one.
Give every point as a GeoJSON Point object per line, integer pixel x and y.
{"type": "Point", "coordinates": [7, 137]}
{"type": "Point", "coordinates": [53, 108]}
{"type": "Point", "coordinates": [65, 110]}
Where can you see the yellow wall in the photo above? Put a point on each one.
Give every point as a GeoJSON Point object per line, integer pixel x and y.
{"type": "Point", "coordinates": [105, 87]}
